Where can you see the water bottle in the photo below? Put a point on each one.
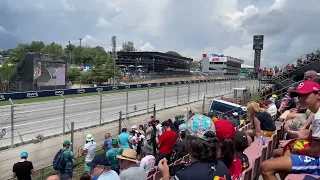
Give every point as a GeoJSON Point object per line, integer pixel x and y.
{"type": "Point", "coordinates": [262, 140]}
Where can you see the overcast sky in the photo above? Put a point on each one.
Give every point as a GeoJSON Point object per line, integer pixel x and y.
{"type": "Point", "coordinates": [189, 27]}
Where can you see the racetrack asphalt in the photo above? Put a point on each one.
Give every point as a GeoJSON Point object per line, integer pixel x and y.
{"type": "Point", "coordinates": [46, 118]}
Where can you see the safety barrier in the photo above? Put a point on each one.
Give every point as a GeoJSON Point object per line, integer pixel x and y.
{"type": "Point", "coordinates": [34, 94]}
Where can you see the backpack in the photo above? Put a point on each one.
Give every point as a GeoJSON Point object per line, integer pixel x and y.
{"type": "Point", "coordinates": [59, 162]}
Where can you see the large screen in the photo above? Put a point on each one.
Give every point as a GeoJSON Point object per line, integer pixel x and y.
{"type": "Point", "coordinates": [49, 73]}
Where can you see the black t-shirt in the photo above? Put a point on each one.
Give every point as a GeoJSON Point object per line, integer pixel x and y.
{"type": "Point", "coordinates": [23, 170]}
{"type": "Point", "coordinates": [244, 161]}
{"type": "Point", "coordinates": [266, 121]}
{"type": "Point", "coordinates": [204, 171]}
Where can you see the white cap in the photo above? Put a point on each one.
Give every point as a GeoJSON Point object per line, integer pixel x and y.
{"type": "Point", "coordinates": [134, 127]}
{"type": "Point", "coordinates": [235, 114]}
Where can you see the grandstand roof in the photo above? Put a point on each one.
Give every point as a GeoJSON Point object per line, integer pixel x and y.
{"type": "Point", "coordinates": [246, 66]}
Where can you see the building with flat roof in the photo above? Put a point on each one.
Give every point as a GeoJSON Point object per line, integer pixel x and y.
{"type": "Point", "coordinates": [153, 63]}
{"type": "Point", "coordinates": [222, 65]}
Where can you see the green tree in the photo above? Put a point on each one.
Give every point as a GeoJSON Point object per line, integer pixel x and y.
{"type": "Point", "coordinates": [36, 46]}
{"type": "Point", "coordinates": [194, 65]}
{"type": "Point", "coordinates": [5, 75]}
{"type": "Point", "coordinates": [128, 46]}
{"type": "Point", "coordinates": [54, 49]}
{"type": "Point", "coordinates": [173, 53]}
{"type": "Point", "coordinates": [18, 53]}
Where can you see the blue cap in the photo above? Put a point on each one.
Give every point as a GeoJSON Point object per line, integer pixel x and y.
{"type": "Point", "coordinates": [99, 160]}
{"type": "Point", "coordinates": [24, 155]}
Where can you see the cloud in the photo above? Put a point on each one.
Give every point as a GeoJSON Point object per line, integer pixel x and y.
{"type": "Point", "coordinates": [2, 29]}
{"type": "Point", "coordinates": [188, 27]}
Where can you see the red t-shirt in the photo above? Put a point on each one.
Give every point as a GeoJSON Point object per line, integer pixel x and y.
{"type": "Point", "coordinates": [167, 141]}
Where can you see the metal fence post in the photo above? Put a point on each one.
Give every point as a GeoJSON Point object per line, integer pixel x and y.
{"type": "Point", "coordinates": [206, 88]}
{"type": "Point", "coordinates": [164, 97]}
{"type": "Point", "coordinates": [120, 118]}
{"type": "Point", "coordinates": [220, 88]}
{"type": "Point", "coordinates": [100, 111]}
{"type": "Point", "coordinates": [12, 122]}
{"type": "Point", "coordinates": [148, 100]}
{"type": "Point", "coordinates": [154, 111]}
{"type": "Point", "coordinates": [188, 93]}
{"type": "Point", "coordinates": [203, 103]}
{"type": "Point", "coordinates": [178, 95]}
{"type": "Point", "coordinates": [198, 92]}
{"type": "Point", "coordinates": [127, 104]}
{"type": "Point", "coordinates": [72, 135]}
{"type": "Point", "coordinates": [42, 174]}
{"type": "Point", "coordinates": [63, 114]}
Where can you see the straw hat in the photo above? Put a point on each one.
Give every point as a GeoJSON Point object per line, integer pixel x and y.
{"type": "Point", "coordinates": [129, 155]}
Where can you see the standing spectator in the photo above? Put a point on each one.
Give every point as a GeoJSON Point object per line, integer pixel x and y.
{"type": "Point", "coordinates": [131, 170]}
{"type": "Point", "coordinates": [100, 168]}
{"type": "Point", "coordinates": [142, 130]}
{"type": "Point", "coordinates": [124, 139]}
{"type": "Point", "coordinates": [166, 142]}
{"type": "Point", "coordinates": [181, 151]}
{"type": "Point", "coordinates": [178, 119]}
{"type": "Point", "coordinates": [24, 168]}
{"type": "Point", "coordinates": [112, 156]}
{"type": "Point", "coordinates": [90, 149]}
{"type": "Point", "coordinates": [64, 159]}
{"type": "Point", "coordinates": [107, 145]}
{"type": "Point", "coordinates": [158, 127]}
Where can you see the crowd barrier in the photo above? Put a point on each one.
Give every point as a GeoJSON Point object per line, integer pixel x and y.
{"type": "Point", "coordinates": [34, 94]}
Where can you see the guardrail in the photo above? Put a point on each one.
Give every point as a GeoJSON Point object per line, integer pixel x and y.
{"type": "Point", "coordinates": [34, 94]}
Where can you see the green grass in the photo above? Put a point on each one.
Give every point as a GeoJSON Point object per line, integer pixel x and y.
{"type": "Point", "coordinates": [50, 98]}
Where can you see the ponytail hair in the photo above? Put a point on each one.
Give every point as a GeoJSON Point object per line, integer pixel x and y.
{"type": "Point", "coordinates": [228, 151]}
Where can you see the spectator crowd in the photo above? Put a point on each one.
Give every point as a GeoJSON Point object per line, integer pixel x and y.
{"type": "Point", "coordinates": [214, 147]}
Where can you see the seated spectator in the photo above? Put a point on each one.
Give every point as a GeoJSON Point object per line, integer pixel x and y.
{"type": "Point", "coordinates": [147, 163]}
{"type": "Point", "coordinates": [305, 160]}
{"type": "Point", "coordinates": [203, 152]}
{"type": "Point", "coordinates": [241, 143]}
{"type": "Point", "coordinates": [262, 121]}
{"type": "Point", "coordinates": [131, 170]}
{"type": "Point", "coordinates": [24, 168]}
{"type": "Point", "coordinates": [100, 168]}
{"type": "Point", "coordinates": [225, 134]}
{"type": "Point", "coordinates": [166, 142]}
{"type": "Point", "coordinates": [287, 102]}
{"type": "Point", "coordinates": [309, 75]}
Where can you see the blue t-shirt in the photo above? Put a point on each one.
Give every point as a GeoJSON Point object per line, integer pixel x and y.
{"type": "Point", "coordinates": [124, 140]}
{"type": "Point", "coordinates": [110, 175]}
{"type": "Point", "coordinates": [107, 144]}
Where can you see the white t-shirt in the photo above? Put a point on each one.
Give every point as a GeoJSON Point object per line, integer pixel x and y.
{"type": "Point", "coordinates": [91, 148]}
{"type": "Point", "coordinates": [110, 175]}
{"type": "Point", "coordinates": [159, 129]}
{"type": "Point", "coordinates": [272, 109]}
{"type": "Point", "coordinates": [316, 125]}
{"type": "Point", "coordinates": [147, 163]}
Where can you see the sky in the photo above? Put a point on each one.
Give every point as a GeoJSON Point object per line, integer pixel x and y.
{"type": "Point", "coordinates": [189, 27]}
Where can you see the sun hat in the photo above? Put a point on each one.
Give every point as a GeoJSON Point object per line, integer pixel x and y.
{"type": "Point", "coordinates": [129, 155]}
{"type": "Point", "coordinates": [134, 127]}
{"type": "Point", "coordinates": [89, 137]}
{"type": "Point", "coordinates": [99, 160]}
{"type": "Point", "coordinates": [66, 142]}
{"type": "Point", "coordinates": [24, 155]}
{"type": "Point", "coordinates": [224, 129]}
{"type": "Point", "coordinates": [199, 124]}
{"type": "Point", "coordinates": [306, 88]}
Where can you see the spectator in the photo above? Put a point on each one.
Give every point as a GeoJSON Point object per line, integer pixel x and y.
{"type": "Point", "coordinates": [65, 163]}
{"type": "Point", "coordinates": [112, 156]}
{"type": "Point", "coordinates": [85, 176]}
{"type": "Point", "coordinates": [241, 143]}
{"type": "Point", "coordinates": [178, 119]}
{"type": "Point", "coordinates": [53, 177]}
{"type": "Point", "coordinates": [263, 122]}
{"type": "Point", "coordinates": [307, 159]}
{"type": "Point", "coordinates": [203, 152]}
{"type": "Point", "coordinates": [172, 126]}
{"type": "Point", "coordinates": [309, 75]}
{"type": "Point", "coordinates": [131, 170]}
{"type": "Point", "coordinates": [124, 139]}
{"type": "Point", "coordinates": [181, 151]}
{"type": "Point", "coordinates": [107, 145]}
{"type": "Point", "coordinates": [166, 142]}
{"type": "Point", "coordinates": [100, 168]}
{"type": "Point", "coordinates": [90, 149]}
{"type": "Point", "coordinates": [141, 130]}
{"type": "Point", "coordinates": [158, 127]}
{"type": "Point", "coordinates": [24, 168]}
{"type": "Point", "coordinates": [287, 101]}
{"type": "Point", "coordinates": [147, 163]}
{"type": "Point", "coordinates": [225, 133]}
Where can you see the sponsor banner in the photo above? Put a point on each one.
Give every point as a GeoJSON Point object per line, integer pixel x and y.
{"type": "Point", "coordinates": [80, 91]}
{"type": "Point", "coordinates": [59, 92]}
{"type": "Point", "coordinates": [2, 98]}
{"type": "Point", "coordinates": [32, 94]}
{"type": "Point", "coordinates": [217, 59]}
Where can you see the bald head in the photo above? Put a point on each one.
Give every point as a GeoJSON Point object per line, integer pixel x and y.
{"type": "Point", "coordinates": [53, 177]}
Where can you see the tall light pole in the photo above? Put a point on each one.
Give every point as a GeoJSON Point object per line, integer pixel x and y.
{"type": "Point", "coordinates": [114, 52]}
{"type": "Point", "coordinates": [80, 39]}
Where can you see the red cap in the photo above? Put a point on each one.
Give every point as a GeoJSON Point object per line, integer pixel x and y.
{"type": "Point", "coordinates": [265, 103]}
{"type": "Point", "coordinates": [306, 88]}
{"type": "Point", "coordinates": [224, 130]}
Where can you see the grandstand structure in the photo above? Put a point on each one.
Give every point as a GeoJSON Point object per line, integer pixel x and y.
{"type": "Point", "coordinates": [153, 63]}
